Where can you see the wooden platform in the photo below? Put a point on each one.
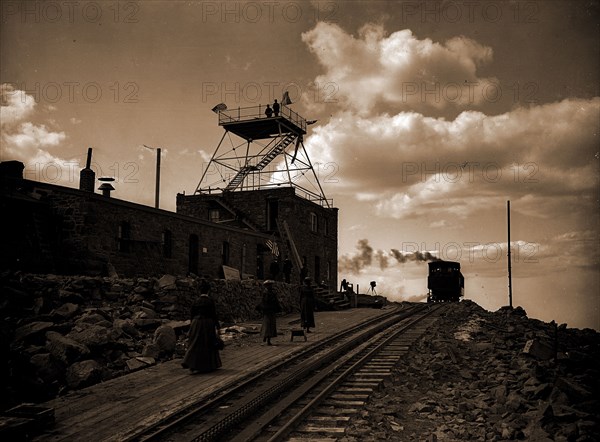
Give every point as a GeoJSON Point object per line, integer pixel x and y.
{"type": "Point", "coordinates": [118, 409]}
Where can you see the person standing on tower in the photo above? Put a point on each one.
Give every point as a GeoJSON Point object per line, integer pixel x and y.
{"type": "Point", "coordinates": [268, 111]}
{"type": "Point", "coordinates": [276, 108]}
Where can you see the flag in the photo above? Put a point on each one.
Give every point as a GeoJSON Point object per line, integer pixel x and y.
{"type": "Point", "coordinates": [219, 107]}
{"type": "Point", "coordinates": [309, 122]}
{"type": "Point", "coordinates": [272, 245]}
{"type": "Point", "coordinates": [286, 98]}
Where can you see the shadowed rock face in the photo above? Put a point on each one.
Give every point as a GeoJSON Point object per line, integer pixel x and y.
{"type": "Point", "coordinates": [473, 376]}
{"type": "Point", "coordinates": [67, 332]}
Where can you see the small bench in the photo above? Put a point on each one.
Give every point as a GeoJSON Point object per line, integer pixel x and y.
{"type": "Point", "coordinates": [298, 332]}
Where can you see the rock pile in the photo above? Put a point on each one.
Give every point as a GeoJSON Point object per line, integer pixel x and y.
{"type": "Point", "coordinates": [60, 333]}
{"type": "Point", "coordinates": [482, 376]}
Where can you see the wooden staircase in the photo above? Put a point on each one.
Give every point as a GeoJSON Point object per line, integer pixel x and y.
{"type": "Point", "coordinates": [324, 297]}
{"type": "Point", "coordinates": [328, 300]}
{"type": "Point", "coordinates": [238, 214]}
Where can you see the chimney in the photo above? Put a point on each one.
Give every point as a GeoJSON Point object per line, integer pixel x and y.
{"type": "Point", "coordinates": [12, 170]}
{"type": "Point", "coordinates": [106, 187]}
{"type": "Point", "coordinates": [87, 177]}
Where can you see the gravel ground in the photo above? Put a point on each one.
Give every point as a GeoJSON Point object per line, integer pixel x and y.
{"type": "Point", "coordinates": [489, 376]}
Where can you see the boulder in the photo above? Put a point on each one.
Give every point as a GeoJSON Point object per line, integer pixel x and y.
{"type": "Point", "coordinates": [167, 282]}
{"type": "Point", "coordinates": [94, 318]}
{"type": "Point", "coordinates": [47, 367]}
{"type": "Point", "coordinates": [146, 324]}
{"type": "Point", "coordinates": [573, 390]}
{"type": "Point", "coordinates": [64, 349]}
{"type": "Point", "coordinates": [91, 335]}
{"type": "Point", "coordinates": [72, 297]}
{"type": "Point", "coordinates": [139, 362]}
{"type": "Point", "coordinates": [165, 339]}
{"type": "Point", "coordinates": [538, 350]}
{"type": "Point", "coordinates": [84, 373]}
{"type": "Point", "coordinates": [65, 311]}
{"type": "Point", "coordinates": [151, 350]}
{"type": "Point", "coordinates": [126, 326]}
{"type": "Point", "coordinates": [33, 330]}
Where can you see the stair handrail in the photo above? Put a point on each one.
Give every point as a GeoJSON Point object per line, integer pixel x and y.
{"type": "Point", "coordinates": [295, 253]}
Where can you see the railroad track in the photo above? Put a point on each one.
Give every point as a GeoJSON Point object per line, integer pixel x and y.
{"type": "Point", "coordinates": [314, 393]}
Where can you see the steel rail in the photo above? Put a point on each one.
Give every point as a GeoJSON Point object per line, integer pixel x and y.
{"type": "Point", "coordinates": [310, 406]}
{"type": "Point", "coordinates": [285, 383]}
{"type": "Point", "coordinates": [157, 430]}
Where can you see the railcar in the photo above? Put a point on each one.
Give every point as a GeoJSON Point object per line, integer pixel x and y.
{"type": "Point", "coordinates": [445, 282]}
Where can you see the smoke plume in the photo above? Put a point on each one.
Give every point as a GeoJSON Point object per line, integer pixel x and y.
{"type": "Point", "coordinates": [413, 256]}
{"type": "Point", "coordinates": [366, 256]}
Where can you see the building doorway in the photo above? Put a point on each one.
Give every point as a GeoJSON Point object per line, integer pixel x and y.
{"type": "Point", "coordinates": [193, 254]}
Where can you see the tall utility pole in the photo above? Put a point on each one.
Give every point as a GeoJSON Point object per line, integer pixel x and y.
{"type": "Point", "coordinates": [509, 263]}
{"type": "Point", "coordinates": [156, 197]}
{"type": "Point", "coordinates": [157, 192]}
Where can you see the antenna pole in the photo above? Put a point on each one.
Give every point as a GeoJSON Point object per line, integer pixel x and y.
{"type": "Point", "coordinates": [156, 198]}
{"type": "Point", "coordinates": [509, 261]}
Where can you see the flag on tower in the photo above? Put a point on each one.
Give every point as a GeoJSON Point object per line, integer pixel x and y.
{"type": "Point", "coordinates": [286, 98]}
{"type": "Point", "coordinates": [272, 245]}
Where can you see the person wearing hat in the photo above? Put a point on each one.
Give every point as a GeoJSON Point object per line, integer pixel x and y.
{"type": "Point", "coordinates": [270, 307]}
{"type": "Point", "coordinates": [202, 354]}
{"type": "Point", "coordinates": [307, 305]}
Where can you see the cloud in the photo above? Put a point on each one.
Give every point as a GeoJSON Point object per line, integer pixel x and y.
{"type": "Point", "coordinates": [15, 105]}
{"type": "Point", "coordinates": [409, 163]}
{"type": "Point", "coordinates": [26, 141]}
{"type": "Point", "coordinates": [31, 136]}
{"type": "Point", "coordinates": [399, 69]}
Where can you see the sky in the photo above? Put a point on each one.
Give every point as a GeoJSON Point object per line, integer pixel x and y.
{"type": "Point", "coordinates": [430, 117]}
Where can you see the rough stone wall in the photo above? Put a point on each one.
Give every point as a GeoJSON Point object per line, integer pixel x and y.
{"type": "Point", "coordinates": [86, 236]}
{"type": "Point", "coordinates": [318, 245]}
{"type": "Point", "coordinates": [313, 245]}
{"type": "Point", "coordinates": [66, 332]}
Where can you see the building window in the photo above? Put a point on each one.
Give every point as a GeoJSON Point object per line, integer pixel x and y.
{"type": "Point", "coordinates": [326, 226]}
{"type": "Point", "coordinates": [225, 253]}
{"type": "Point", "coordinates": [167, 243]}
{"type": "Point", "coordinates": [314, 222]}
{"type": "Point", "coordinates": [213, 215]}
{"type": "Point", "coordinates": [124, 244]}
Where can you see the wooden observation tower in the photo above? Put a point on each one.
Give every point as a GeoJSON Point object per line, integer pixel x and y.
{"type": "Point", "coordinates": [259, 152]}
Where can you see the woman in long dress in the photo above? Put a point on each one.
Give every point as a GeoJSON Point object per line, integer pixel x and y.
{"type": "Point", "coordinates": [202, 354]}
{"type": "Point", "coordinates": [307, 305]}
{"type": "Point", "coordinates": [270, 307]}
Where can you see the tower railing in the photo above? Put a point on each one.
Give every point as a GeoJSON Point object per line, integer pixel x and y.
{"type": "Point", "coordinates": [242, 114]}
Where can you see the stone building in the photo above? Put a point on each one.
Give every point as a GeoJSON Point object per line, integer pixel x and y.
{"type": "Point", "coordinates": [305, 232]}
{"type": "Point", "coordinates": [56, 229]}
